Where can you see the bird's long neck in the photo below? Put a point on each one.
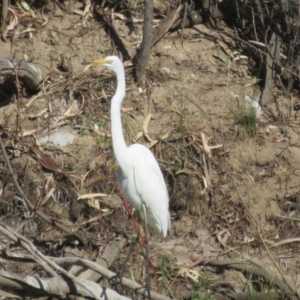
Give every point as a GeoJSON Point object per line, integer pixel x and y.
{"type": "Point", "coordinates": [119, 146]}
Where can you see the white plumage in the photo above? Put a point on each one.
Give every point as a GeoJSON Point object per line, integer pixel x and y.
{"type": "Point", "coordinates": [140, 177]}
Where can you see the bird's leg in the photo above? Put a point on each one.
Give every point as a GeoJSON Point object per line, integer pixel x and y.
{"type": "Point", "coordinates": [148, 286]}
{"type": "Point", "coordinates": [148, 279]}
{"type": "Point", "coordinates": [118, 277]}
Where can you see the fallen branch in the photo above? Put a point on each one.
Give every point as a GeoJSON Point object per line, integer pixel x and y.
{"type": "Point", "coordinates": [30, 286]}
{"type": "Point", "coordinates": [48, 265]}
{"type": "Point", "coordinates": [107, 258]}
{"type": "Point", "coordinates": [90, 265]}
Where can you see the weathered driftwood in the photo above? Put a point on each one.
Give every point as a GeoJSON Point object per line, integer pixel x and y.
{"type": "Point", "coordinates": [32, 75]}
{"type": "Point", "coordinates": [29, 286]}
{"type": "Point", "coordinates": [12, 285]}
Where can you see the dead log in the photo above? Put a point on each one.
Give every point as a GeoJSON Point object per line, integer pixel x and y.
{"type": "Point", "coordinates": [30, 74]}
{"type": "Point", "coordinates": [30, 286]}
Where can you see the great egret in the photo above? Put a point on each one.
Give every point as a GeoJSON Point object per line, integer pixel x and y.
{"type": "Point", "coordinates": [140, 177]}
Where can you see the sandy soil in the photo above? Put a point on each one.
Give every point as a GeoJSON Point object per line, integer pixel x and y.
{"type": "Point", "coordinates": [230, 202]}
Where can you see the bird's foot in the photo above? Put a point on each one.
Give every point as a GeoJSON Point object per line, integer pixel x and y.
{"type": "Point", "coordinates": [117, 279]}
{"type": "Point", "coordinates": [146, 289]}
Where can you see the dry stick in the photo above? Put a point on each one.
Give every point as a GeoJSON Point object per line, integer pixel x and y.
{"type": "Point", "coordinates": [31, 206]}
{"type": "Point", "coordinates": [108, 274]}
{"type": "Point", "coordinates": [283, 242]}
{"type": "Point", "coordinates": [95, 267]}
{"type": "Point", "coordinates": [292, 291]}
{"type": "Point", "coordinates": [43, 260]}
{"type": "Point", "coordinates": [36, 287]}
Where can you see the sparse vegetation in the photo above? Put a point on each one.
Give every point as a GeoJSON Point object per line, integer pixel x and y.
{"type": "Point", "coordinates": [246, 117]}
{"type": "Point", "coordinates": [198, 290]}
{"type": "Point", "coordinates": [237, 198]}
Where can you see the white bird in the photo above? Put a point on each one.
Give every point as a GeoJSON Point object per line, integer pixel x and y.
{"type": "Point", "coordinates": [140, 177]}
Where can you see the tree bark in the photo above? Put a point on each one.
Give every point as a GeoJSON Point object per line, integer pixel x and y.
{"type": "Point", "coordinates": [142, 56]}
{"type": "Point", "coordinates": [271, 60]}
{"type": "Point", "coordinates": [4, 7]}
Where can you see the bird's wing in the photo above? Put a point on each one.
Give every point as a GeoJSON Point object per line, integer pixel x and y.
{"type": "Point", "coordinates": [151, 187]}
{"type": "Point", "coordinates": [146, 165]}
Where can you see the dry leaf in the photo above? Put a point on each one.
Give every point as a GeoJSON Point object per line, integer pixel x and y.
{"type": "Point", "coordinates": [29, 132]}
{"type": "Point", "coordinates": [145, 128]}
{"type": "Point", "coordinates": [47, 162]}
{"type": "Point", "coordinates": [14, 23]}
{"type": "Point", "coordinates": [94, 203]}
{"type": "Point", "coordinates": [89, 196]}
{"type": "Point", "coordinates": [205, 147]}
{"type": "Point", "coordinates": [187, 272]}
{"type": "Point", "coordinates": [78, 12]}
{"type": "Point", "coordinates": [1, 187]}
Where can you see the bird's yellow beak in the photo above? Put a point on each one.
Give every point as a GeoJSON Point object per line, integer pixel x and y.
{"type": "Point", "coordinates": [96, 63]}
{"type": "Point", "coordinates": [100, 62]}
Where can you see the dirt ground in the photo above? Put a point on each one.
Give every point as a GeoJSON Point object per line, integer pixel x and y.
{"type": "Point", "coordinates": [232, 196]}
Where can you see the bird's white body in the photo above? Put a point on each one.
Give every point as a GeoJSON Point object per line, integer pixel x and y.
{"type": "Point", "coordinates": [143, 184]}
{"type": "Point", "coordinates": [140, 177]}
